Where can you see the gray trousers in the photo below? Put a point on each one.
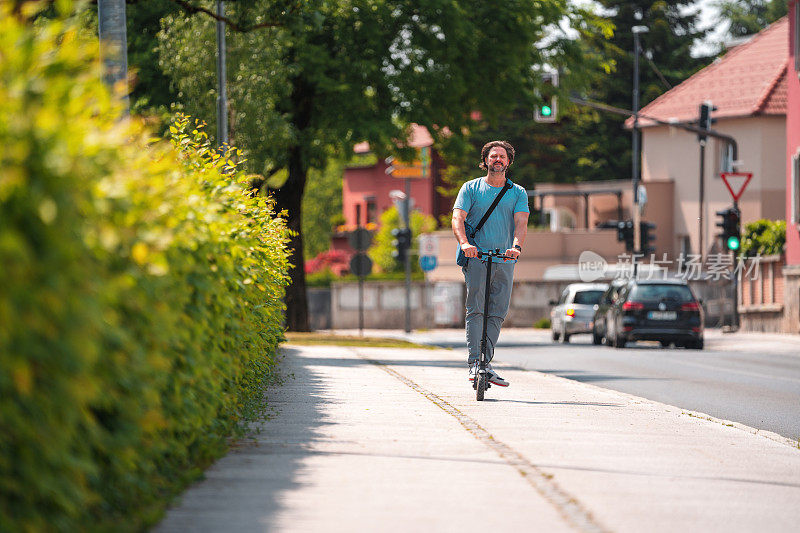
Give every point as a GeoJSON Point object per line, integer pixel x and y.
{"type": "Point", "coordinates": [501, 282]}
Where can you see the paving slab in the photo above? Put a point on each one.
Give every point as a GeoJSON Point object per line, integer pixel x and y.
{"type": "Point", "coordinates": [393, 440]}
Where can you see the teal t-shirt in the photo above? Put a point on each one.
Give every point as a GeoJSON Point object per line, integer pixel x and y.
{"type": "Point", "coordinates": [476, 196]}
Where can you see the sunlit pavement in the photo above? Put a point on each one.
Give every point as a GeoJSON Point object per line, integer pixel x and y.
{"type": "Point", "coordinates": [376, 439]}
{"type": "Point", "coordinates": [750, 378]}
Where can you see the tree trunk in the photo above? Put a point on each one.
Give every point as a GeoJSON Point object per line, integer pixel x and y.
{"type": "Point", "coordinates": [113, 42]}
{"type": "Point", "coordinates": [290, 198]}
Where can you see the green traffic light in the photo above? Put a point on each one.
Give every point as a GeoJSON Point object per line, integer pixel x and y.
{"type": "Point", "coordinates": [546, 111]}
{"type": "Point", "coordinates": [733, 243]}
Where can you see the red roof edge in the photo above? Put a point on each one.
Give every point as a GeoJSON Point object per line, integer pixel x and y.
{"type": "Point", "coordinates": [762, 101]}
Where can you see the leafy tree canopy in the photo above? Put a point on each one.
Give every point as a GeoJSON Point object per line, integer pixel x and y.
{"type": "Point", "coordinates": [586, 144]}
{"type": "Point", "coordinates": [330, 74]}
{"type": "Point", "coordinates": [747, 17]}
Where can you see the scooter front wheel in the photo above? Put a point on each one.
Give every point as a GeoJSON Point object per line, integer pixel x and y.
{"type": "Point", "coordinates": [483, 384]}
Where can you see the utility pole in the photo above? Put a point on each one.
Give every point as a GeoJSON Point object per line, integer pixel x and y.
{"type": "Point", "coordinates": [636, 152]}
{"type": "Point", "coordinates": [113, 44]}
{"type": "Point", "coordinates": [222, 91]}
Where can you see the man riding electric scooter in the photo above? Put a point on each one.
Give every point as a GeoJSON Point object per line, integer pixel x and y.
{"type": "Point", "coordinates": [490, 213]}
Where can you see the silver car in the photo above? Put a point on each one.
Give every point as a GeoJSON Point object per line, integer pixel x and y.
{"type": "Point", "coordinates": [574, 311]}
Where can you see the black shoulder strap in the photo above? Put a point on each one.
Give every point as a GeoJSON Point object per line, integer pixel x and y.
{"type": "Point", "coordinates": [491, 207]}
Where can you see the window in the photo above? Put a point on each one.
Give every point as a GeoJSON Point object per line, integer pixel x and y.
{"type": "Point", "coordinates": [587, 297]}
{"type": "Point", "coordinates": [723, 157]}
{"type": "Point", "coordinates": [675, 293]}
{"type": "Point", "coordinates": [795, 212]}
{"type": "Point", "coordinates": [372, 209]}
{"type": "Point", "coordinates": [358, 214]}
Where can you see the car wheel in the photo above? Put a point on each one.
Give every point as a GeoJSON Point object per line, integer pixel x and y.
{"type": "Point", "coordinates": [664, 344]}
{"type": "Point", "coordinates": [607, 339]}
{"type": "Point", "coordinates": [695, 345]}
{"type": "Point", "coordinates": [564, 335]}
{"type": "Point", "coordinates": [555, 336]}
{"type": "Point", "coordinates": [596, 339]}
{"type": "Point", "coordinates": [619, 341]}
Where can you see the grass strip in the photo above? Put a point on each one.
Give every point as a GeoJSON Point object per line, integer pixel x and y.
{"type": "Point", "coordinates": [349, 340]}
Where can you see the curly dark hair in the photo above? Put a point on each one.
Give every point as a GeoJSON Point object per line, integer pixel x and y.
{"type": "Point", "coordinates": [502, 144]}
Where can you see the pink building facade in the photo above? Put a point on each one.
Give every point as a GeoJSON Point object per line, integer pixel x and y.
{"type": "Point", "coordinates": [793, 139]}
{"type": "Point", "coordinates": [791, 271]}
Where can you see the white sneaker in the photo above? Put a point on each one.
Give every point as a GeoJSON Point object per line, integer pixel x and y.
{"type": "Point", "coordinates": [495, 379]}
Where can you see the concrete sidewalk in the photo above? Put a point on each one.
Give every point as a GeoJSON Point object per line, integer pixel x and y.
{"type": "Point", "coordinates": [366, 439]}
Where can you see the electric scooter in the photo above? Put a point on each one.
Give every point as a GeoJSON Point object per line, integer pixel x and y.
{"type": "Point", "coordinates": [481, 382]}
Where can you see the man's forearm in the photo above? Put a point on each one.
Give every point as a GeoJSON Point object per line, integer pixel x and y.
{"type": "Point", "coordinates": [520, 233]}
{"type": "Point", "coordinates": [459, 231]}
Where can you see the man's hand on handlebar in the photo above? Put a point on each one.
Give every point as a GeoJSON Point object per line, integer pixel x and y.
{"type": "Point", "coordinates": [470, 250]}
{"type": "Point", "coordinates": [512, 253]}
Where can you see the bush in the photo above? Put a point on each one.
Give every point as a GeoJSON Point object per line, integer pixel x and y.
{"type": "Point", "coordinates": [336, 261]}
{"type": "Point", "coordinates": [381, 250]}
{"type": "Point", "coordinates": [140, 301]}
{"type": "Point", "coordinates": [542, 323]}
{"type": "Point", "coordinates": [765, 237]}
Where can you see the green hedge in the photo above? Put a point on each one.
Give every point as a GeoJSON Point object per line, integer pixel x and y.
{"type": "Point", "coordinates": [140, 295]}
{"type": "Point", "coordinates": [765, 237]}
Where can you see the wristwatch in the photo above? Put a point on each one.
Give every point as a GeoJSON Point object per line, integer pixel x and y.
{"type": "Point", "coordinates": [518, 247]}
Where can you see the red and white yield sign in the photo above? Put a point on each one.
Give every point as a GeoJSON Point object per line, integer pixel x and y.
{"type": "Point", "coordinates": [739, 180]}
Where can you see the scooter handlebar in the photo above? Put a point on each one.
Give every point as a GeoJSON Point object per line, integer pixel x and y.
{"type": "Point", "coordinates": [499, 254]}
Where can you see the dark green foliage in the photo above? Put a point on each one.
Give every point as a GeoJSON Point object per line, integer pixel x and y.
{"type": "Point", "coordinates": [585, 144]}
{"type": "Point", "coordinates": [152, 91]}
{"type": "Point", "coordinates": [747, 17]}
{"type": "Point", "coordinates": [765, 237]}
{"type": "Point", "coordinates": [140, 300]}
{"type": "Point", "coordinates": [322, 207]}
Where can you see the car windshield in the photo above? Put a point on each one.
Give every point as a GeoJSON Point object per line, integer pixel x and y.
{"type": "Point", "coordinates": [676, 293]}
{"type": "Point", "coordinates": [588, 297]}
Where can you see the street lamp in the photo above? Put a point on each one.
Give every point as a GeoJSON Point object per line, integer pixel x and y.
{"type": "Point", "coordinates": [636, 155]}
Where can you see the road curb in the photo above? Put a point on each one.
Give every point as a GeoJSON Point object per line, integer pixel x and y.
{"type": "Point", "coordinates": [795, 444]}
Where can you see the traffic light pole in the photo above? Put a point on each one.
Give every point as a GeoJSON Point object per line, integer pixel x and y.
{"type": "Point", "coordinates": [635, 157]}
{"type": "Point", "coordinates": [407, 259]}
{"type": "Point", "coordinates": [735, 280]}
{"type": "Point", "coordinates": [702, 200]}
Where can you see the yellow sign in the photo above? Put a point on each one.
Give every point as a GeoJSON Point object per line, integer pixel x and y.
{"type": "Point", "coordinates": [419, 168]}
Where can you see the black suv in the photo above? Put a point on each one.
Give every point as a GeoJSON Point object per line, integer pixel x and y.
{"type": "Point", "coordinates": [656, 310]}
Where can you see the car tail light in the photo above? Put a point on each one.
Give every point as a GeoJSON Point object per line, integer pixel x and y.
{"type": "Point", "coordinates": [627, 328]}
{"type": "Point", "coordinates": [690, 306]}
{"type": "Point", "coordinates": [696, 329]}
{"type": "Point", "coordinates": [632, 306]}
{"type": "Point", "coordinates": [570, 312]}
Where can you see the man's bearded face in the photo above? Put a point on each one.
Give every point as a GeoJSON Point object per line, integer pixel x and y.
{"type": "Point", "coordinates": [497, 159]}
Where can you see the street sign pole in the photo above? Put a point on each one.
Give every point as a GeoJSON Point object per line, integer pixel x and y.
{"type": "Point", "coordinates": [360, 306]}
{"type": "Point", "coordinates": [407, 265]}
{"type": "Point", "coordinates": [360, 265]}
{"type": "Point", "coordinates": [736, 195]}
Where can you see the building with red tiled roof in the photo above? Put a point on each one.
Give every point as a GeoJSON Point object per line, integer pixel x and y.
{"type": "Point", "coordinates": [748, 87]}
{"type": "Point", "coordinates": [791, 272]}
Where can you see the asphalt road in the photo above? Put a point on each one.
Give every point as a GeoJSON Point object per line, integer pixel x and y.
{"type": "Point", "coordinates": [747, 378]}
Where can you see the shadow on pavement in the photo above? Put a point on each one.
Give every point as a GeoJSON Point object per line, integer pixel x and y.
{"type": "Point", "coordinates": [244, 490]}
{"type": "Point", "coordinates": [592, 404]}
{"type": "Point", "coordinates": [670, 475]}
{"type": "Point", "coordinates": [588, 377]}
